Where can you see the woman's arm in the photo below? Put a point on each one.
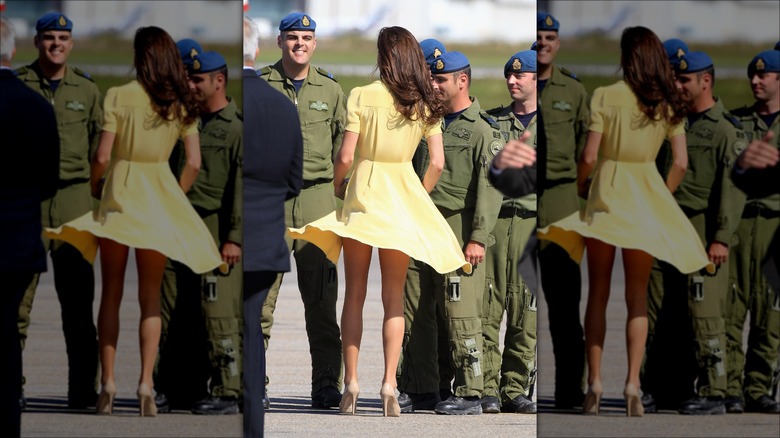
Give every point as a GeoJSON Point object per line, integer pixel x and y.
{"type": "Point", "coordinates": [679, 163]}
{"type": "Point", "coordinates": [192, 166]}
{"type": "Point", "coordinates": [436, 165]}
{"type": "Point", "coordinates": [344, 159]}
{"type": "Point", "coordinates": [100, 162]}
{"type": "Point", "coordinates": [590, 154]}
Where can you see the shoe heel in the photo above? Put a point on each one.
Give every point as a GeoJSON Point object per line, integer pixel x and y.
{"type": "Point", "coordinates": [390, 407]}
{"type": "Point", "coordinates": [634, 406]}
{"type": "Point", "coordinates": [348, 403]}
{"type": "Point", "coordinates": [146, 405]}
{"type": "Point", "coordinates": [105, 401]}
{"type": "Point", "coordinates": [592, 402]}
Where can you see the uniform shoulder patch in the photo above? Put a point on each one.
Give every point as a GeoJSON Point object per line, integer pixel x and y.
{"type": "Point", "coordinates": [496, 111]}
{"type": "Point", "coordinates": [265, 71]}
{"type": "Point", "coordinates": [732, 119]}
{"type": "Point", "coordinates": [326, 73]}
{"type": "Point", "coordinates": [570, 74]}
{"type": "Point", "coordinates": [20, 71]}
{"type": "Point", "coordinates": [82, 73]}
{"type": "Point", "coordinates": [489, 119]}
{"type": "Point", "coordinates": [741, 112]}
{"type": "Point", "coordinates": [496, 146]}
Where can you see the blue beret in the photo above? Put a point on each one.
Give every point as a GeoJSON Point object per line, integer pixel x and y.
{"type": "Point", "coordinates": [188, 48]}
{"type": "Point", "coordinates": [521, 62]}
{"type": "Point", "coordinates": [766, 61]}
{"type": "Point", "coordinates": [675, 49]}
{"type": "Point", "coordinates": [206, 62]}
{"type": "Point", "coordinates": [545, 21]}
{"type": "Point", "coordinates": [432, 49]}
{"type": "Point", "coordinates": [449, 62]}
{"type": "Point", "coordinates": [297, 21]}
{"type": "Point", "coordinates": [533, 46]}
{"type": "Point", "coordinates": [53, 21]}
{"type": "Point", "coordinates": [693, 62]}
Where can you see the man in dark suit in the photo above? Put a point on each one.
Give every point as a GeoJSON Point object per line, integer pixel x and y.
{"type": "Point", "coordinates": [273, 173]}
{"type": "Point", "coordinates": [30, 175]}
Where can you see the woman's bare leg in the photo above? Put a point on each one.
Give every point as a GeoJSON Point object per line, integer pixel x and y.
{"type": "Point", "coordinates": [357, 259]}
{"type": "Point", "coordinates": [113, 261]}
{"type": "Point", "coordinates": [601, 257]}
{"type": "Point", "coordinates": [151, 265]}
{"type": "Point", "coordinates": [636, 265]}
{"type": "Point", "coordinates": [393, 265]}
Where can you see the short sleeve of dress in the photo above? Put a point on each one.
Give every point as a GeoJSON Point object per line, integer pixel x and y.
{"type": "Point", "coordinates": [353, 111]}
{"type": "Point", "coordinates": [678, 129]}
{"type": "Point", "coordinates": [597, 111]}
{"type": "Point", "coordinates": [434, 129]}
{"type": "Point", "coordinates": [190, 129]}
{"type": "Point", "coordinates": [110, 111]}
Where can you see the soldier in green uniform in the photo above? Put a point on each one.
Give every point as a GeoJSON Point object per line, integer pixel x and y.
{"type": "Point", "coordinates": [78, 107]}
{"type": "Point", "coordinates": [713, 205]}
{"type": "Point", "coordinates": [200, 351]}
{"type": "Point", "coordinates": [322, 109]}
{"type": "Point", "coordinates": [564, 104]}
{"type": "Point", "coordinates": [470, 205]}
{"type": "Point", "coordinates": [750, 290]}
{"type": "Point", "coordinates": [505, 290]}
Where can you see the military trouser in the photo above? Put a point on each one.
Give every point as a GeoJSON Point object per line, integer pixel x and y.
{"type": "Point", "coordinates": [561, 283]}
{"type": "Point", "coordinates": [457, 299]}
{"type": "Point", "coordinates": [200, 343]}
{"type": "Point", "coordinates": [751, 292]}
{"type": "Point", "coordinates": [693, 346]}
{"type": "Point", "coordinates": [506, 291]}
{"type": "Point", "coordinates": [318, 285]}
{"type": "Point", "coordinates": [74, 283]}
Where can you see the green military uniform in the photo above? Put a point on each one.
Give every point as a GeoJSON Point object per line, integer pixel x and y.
{"type": "Point", "coordinates": [78, 107]}
{"type": "Point", "coordinates": [322, 110]}
{"type": "Point", "coordinates": [201, 329]}
{"type": "Point", "coordinates": [565, 113]}
{"type": "Point", "coordinates": [750, 290]}
{"type": "Point", "coordinates": [697, 301]}
{"type": "Point", "coordinates": [506, 290]}
{"type": "Point", "coordinates": [470, 206]}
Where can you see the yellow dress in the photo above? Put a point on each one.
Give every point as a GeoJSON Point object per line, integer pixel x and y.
{"type": "Point", "coordinates": [386, 205]}
{"type": "Point", "coordinates": [629, 205]}
{"type": "Point", "coordinates": [142, 205]}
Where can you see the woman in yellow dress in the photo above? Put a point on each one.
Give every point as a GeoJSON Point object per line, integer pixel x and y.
{"type": "Point", "coordinates": [141, 204]}
{"type": "Point", "coordinates": [385, 206]}
{"type": "Point", "coordinates": [628, 204]}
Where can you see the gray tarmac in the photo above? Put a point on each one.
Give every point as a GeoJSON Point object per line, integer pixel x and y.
{"type": "Point", "coordinates": [612, 422]}
{"type": "Point", "coordinates": [289, 367]}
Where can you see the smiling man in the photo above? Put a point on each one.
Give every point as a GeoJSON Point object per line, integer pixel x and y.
{"type": "Point", "coordinates": [321, 106]}
{"type": "Point", "coordinates": [79, 112]}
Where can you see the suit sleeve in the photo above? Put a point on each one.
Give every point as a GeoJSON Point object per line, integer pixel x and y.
{"type": "Point", "coordinates": [514, 183]}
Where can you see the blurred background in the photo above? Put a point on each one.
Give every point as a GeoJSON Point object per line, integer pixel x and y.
{"type": "Point", "coordinates": [103, 32]}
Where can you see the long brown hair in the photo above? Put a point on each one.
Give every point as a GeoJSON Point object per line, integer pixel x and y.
{"type": "Point", "coordinates": [402, 68]}
{"type": "Point", "coordinates": [161, 72]}
{"type": "Point", "coordinates": [647, 72]}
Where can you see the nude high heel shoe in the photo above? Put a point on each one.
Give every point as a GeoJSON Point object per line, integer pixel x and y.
{"type": "Point", "coordinates": [390, 407]}
{"type": "Point", "coordinates": [105, 401]}
{"type": "Point", "coordinates": [592, 402]}
{"type": "Point", "coordinates": [146, 401]}
{"type": "Point", "coordinates": [634, 406]}
{"type": "Point", "coordinates": [348, 402]}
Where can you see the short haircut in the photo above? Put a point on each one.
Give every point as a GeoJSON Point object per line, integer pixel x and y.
{"type": "Point", "coordinates": [708, 71]}
{"type": "Point", "coordinates": [466, 71]}
{"type": "Point", "coordinates": [251, 41]}
{"type": "Point", "coordinates": [222, 70]}
{"type": "Point", "coordinates": [7, 40]}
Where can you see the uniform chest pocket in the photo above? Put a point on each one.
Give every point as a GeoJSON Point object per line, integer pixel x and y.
{"type": "Point", "coordinates": [458, 166]}
{"type": "Point", "coordinates": [317, 138]}
{"type": "Point", "coordinates": [702, 164]}
{"type": "Point", "coordinates": [215, 167]}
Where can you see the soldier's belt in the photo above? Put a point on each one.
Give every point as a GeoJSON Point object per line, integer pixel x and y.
{"type": "Point", "coordinates": [512, 211]}
{"type": "Point", "coordinates": [307, 184]}
{"type": "Point", "coordinates": [691, 212]}
{"type": "Point", "coordinates": [755, 210]}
